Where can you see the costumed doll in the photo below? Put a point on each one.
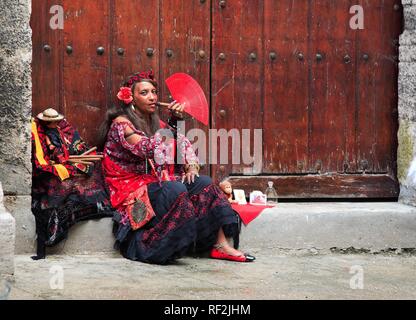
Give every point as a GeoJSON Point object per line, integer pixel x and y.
{"type": "Point", "coordinates": [64, 190]}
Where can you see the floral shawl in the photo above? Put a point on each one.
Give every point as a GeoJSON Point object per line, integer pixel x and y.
{"type": "Point", "coordinates": [129, 168]}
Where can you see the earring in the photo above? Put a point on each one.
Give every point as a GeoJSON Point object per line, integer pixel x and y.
{"type": "Point", "coordinates": [133, 108]}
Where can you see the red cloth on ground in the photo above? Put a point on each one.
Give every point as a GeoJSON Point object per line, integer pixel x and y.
{"type": "Point", "coordinates": [249, 212]}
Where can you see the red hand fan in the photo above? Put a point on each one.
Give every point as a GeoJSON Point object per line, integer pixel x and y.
{"type": "Point", "coordinates": [185, 90]}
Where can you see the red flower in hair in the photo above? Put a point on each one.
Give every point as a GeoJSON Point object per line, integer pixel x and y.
{"type": "Point", "coordinates": [125, 95]}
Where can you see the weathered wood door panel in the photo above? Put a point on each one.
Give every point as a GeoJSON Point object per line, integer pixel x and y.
{"type": "Point", "coordinates": [185, 35]}
{"type": "Point", "coordinates": [332, 59]}
{"type": "Point", "coordinates": [135, 40]}
{"type": "Point", "coordinates": [285, 86]}
{"type": "Point", "coordinates": [377, 87]}
{"type": "Point", "coordinates": [46, 58]}
{"type": "Point", "coordinates": [132, 35]}
{"type": "Point", "coordinates": [328, 110]}
{"type": "Point", "coordinates": [324, 95]}
{"type": "Point", "coordinates": [237, 68]}
{"type": "Point", "coordinates": [86, 70]}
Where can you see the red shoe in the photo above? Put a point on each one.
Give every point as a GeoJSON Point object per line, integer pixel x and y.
{"type": "Point", "coordinates": [217, 254]}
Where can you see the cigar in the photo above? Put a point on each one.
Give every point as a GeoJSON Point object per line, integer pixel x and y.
{"type": "Point", "coordinates": [88, 159]}
{"type": "Point", "coordinates": [163, 104]}
{"type": "Point", "coordinates": [84, 159]}
{"type": "Point", "coordinates": [100, 156]}
{"type": "Point", "coordinates": [89, 151]}
{"type": "Point", "coordinates": [80, 161]}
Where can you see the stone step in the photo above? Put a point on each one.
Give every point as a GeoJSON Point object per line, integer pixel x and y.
{"type": "Point", "coordinates": [373, 227]}
{"type": "Point", "coordinates": [87, 237]}
{"type": "Point", "coordinates": [370, 227]}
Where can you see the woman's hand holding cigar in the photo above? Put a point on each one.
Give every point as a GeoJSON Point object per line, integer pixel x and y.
{"type": "Point", "coordinates": [175, 107]}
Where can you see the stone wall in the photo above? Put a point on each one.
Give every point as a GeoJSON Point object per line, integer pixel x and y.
{"type": "Point", "coordinates": [7, 240]}
{"type": "Point", "coordinates": [15, 112]}
{"type": "Point", "coordinates": [406, 158]}
{"type": "Point", "coordinates": [15, 96]}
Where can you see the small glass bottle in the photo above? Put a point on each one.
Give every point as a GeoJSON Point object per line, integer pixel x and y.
{"type": "Point", "coordinates": [271, 193]}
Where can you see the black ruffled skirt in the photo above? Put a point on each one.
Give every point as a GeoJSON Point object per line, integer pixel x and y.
{"type": "Point", "coordinates": [188, 218]}
{"type": "Point", "coordinates": [58, 205]}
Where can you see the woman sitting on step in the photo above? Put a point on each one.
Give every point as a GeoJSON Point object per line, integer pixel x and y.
{"type": "Point", "coordinates": [165, 209]}
{"type": "Point", "coordinates": [64, 190]}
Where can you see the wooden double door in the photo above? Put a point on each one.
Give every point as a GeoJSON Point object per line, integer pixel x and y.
{"type": "Point", "coordinates": [323, 94]}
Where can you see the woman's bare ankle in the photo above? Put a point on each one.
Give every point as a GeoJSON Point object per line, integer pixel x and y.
{"type": "Point", "coordinates": [227, 248]}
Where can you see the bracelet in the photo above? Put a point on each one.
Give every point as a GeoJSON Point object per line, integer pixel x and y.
{"type": "Point", "coordinates": [192, 166]}
{"type": "Point", "coordinates": [177, 114]}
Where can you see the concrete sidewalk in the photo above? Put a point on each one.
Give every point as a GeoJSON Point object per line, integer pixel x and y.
{"type": "Point", "coordinates": [274, 275]}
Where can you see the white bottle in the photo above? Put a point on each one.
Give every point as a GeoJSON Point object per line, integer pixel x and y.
{"type": "Point", "coordinates": [271, 193]}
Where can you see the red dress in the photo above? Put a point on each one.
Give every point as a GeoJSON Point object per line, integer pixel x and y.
{"type": "Point", "coordinates": [160, 219]}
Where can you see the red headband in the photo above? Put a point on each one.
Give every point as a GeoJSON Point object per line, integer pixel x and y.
{"type": "Point", "coordinates": [140, 75]}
